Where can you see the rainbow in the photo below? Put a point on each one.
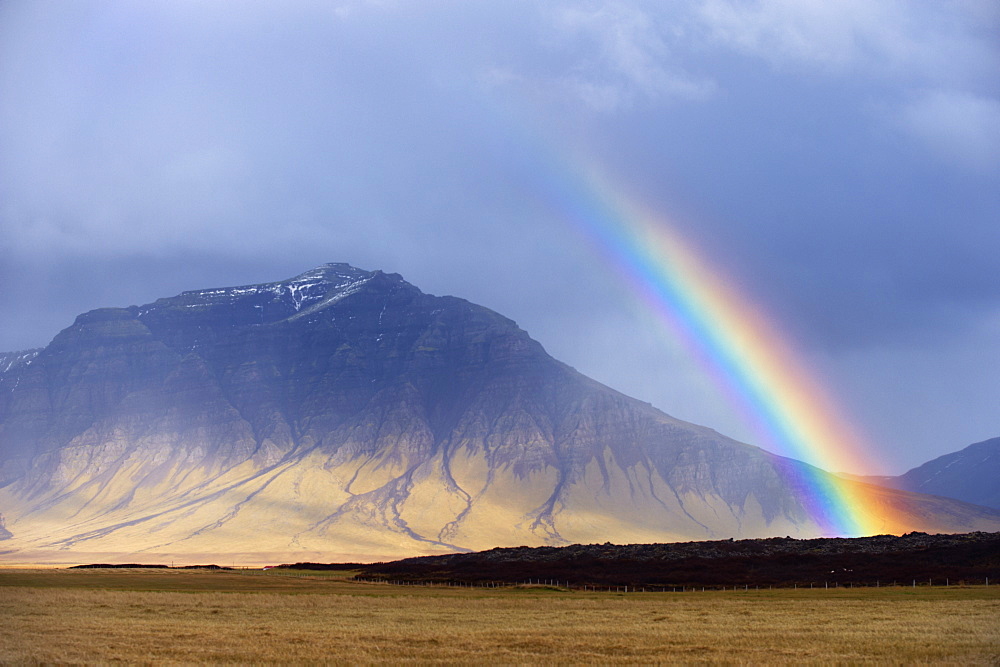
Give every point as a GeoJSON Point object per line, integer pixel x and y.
{"type": "Point", "coordinates": [743, 352]}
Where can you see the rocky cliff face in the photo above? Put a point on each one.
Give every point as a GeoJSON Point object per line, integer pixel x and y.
{"type": "Point", "coordinates": [344, 414]}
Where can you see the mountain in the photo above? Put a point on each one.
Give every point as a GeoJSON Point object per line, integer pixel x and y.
{"type": "Point", "coordinates": [345, 415]}
{"type": "Point", "coordinates": [971, 475]}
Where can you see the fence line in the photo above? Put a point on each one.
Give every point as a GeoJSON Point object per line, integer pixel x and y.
{"type": "Point", "coordinates": [650, 588]}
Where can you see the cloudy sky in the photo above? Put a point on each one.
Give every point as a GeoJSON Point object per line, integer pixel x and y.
{"type": "Point", "coordinates": [837, 162]}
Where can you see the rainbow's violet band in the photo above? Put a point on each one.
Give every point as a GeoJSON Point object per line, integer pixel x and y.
{"type": "Point", "coordinates": [744, 353]}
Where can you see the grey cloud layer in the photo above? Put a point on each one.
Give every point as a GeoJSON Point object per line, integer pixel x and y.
{"type": "Point", "coordinates": [839, 160]}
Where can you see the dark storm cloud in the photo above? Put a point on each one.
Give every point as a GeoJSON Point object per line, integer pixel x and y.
{"type": "Point", "coordinates": [838, 160]}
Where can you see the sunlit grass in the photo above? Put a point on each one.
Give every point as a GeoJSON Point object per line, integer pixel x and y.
{"type": "Point", "coordinates": [96, 616]}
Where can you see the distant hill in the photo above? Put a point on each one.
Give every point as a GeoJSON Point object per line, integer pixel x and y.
{"type": "Point", "coordinates": [971, 475]}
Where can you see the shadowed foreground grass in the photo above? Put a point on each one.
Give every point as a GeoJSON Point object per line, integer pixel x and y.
{"type": "Point", "coordinates": [97, 616]}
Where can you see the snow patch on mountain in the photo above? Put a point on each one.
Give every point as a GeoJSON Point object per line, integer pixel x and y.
{"type": "Point", "coordinates": [333, 296]}
{"type": "Point", "coordinates": [305, 292]}
{"type": "Point", "coordinates": [12, 360]}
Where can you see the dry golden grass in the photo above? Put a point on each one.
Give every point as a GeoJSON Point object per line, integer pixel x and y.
{"type": "Point", "coordinates": [134, 616]}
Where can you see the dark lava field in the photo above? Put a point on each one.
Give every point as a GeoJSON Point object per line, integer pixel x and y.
{"type": "Point", "coordinates": [919, 558]}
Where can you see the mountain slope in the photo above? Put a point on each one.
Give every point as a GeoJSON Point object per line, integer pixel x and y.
{"type": "Point", "coordinates": [344, 414]}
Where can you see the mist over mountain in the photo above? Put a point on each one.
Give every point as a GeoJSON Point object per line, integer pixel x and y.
{"type": "Point", "coordinates": [345, 415]}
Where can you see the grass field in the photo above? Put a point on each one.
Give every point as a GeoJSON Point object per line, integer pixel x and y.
{"type": "Point", "coordinates": [185, 616]}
